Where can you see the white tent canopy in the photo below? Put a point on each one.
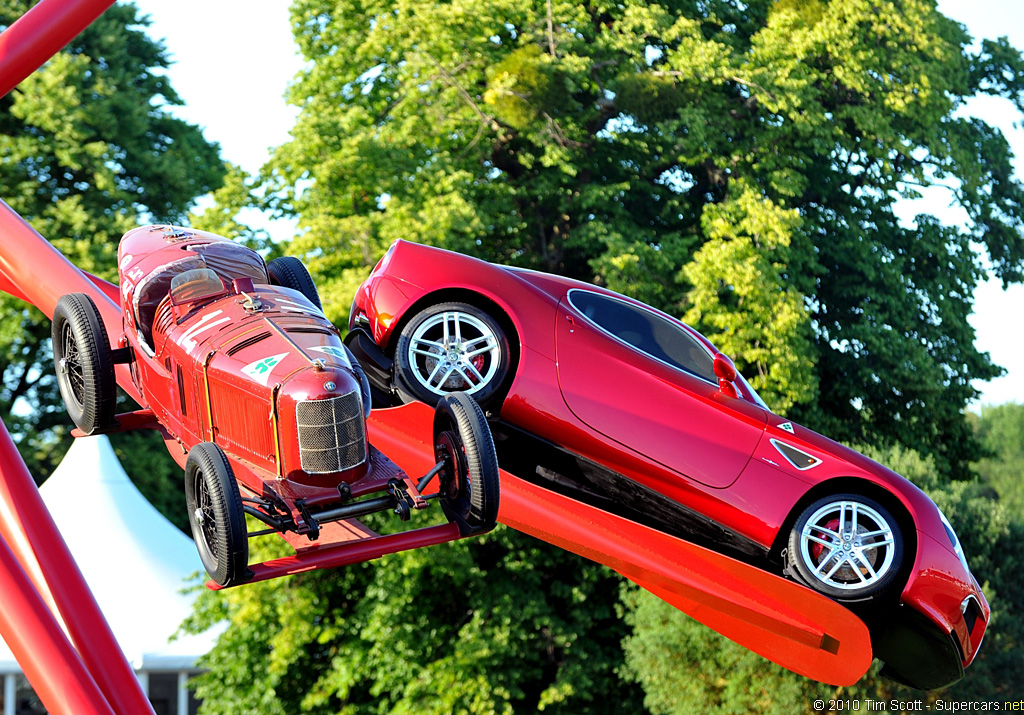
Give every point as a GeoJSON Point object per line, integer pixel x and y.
{"type": "Point", "coordinates": [135, 561]}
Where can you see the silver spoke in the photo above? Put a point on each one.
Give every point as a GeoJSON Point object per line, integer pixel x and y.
{"type": "Point", "coordinates": [839, 562]}
{"type": "Point", "coordinates": [827, 531]}
{"type": "Point", "coordinates": [878, 532]}
{"type": "Point", "coordinates": [824, 561]}
{"type": "Point", "coordinates": [487, 340]}
{"type": "Point", "coordinates": [465, 375]}
{"type": "Point", "coordinates": [823, 542]}
{"type": "Point", "coordinates": [867, 564]}
{"type": "Point", "coordinates": [417, 344]}
{"type": "Point", "coordinates": [448, 374]}
{"type": "Point", "coordinates": [876, 544]}
{"type": "Point", "coordinates": [481, 351]}
{"type": "Point", "coordinates": [472, 368]}
{"type": "Point", "coordinates": [437, 368]}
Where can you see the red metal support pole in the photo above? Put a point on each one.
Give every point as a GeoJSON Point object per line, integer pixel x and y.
{"type": "Point", "coordinates": [26, 258]}
{"type": "Point", "coordinates": [46, 657]}
{"type": "Point", "coordinates": [26, 525]}
{"type": "Point", "coordinates": [40, 33]}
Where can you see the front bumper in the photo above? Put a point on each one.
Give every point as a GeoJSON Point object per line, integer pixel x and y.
{"type": "Point", "coordinates": [936, 630]}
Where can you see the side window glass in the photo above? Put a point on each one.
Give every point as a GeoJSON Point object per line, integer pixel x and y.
{"type": "Point", "coordinates": [646, 331]}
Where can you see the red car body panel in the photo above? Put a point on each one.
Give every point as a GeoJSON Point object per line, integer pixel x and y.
{"type": "Point", "coordinates": [238, 362]}
{"type": "Point", "coordinates": [674, 433]}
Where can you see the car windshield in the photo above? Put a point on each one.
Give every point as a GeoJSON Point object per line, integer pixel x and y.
{"type": "Point", "coordinates": [196, 284]}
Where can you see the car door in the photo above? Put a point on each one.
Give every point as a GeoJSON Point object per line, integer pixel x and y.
{"type": "Point", "coordinates": [642, 380]}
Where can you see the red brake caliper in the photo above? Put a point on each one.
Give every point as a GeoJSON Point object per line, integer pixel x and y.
{"type": "Point", "coordinates": [816, 548]}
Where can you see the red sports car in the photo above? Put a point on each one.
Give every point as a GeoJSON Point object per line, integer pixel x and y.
{"type": "Point", "coordinates": [261, 403]}
{"type": "Point", "coordinates": [602, 397]}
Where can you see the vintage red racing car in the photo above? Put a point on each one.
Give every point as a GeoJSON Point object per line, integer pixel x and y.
{"type": "Point", "coordinates": [260, 402]}
{"type": "Point", "coordinates": [606, 399]}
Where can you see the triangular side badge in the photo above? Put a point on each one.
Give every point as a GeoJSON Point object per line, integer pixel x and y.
{"type": "Point", "coordinates": [788, 426]}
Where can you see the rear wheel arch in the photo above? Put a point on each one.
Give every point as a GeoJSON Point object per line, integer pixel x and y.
{"type": "Point", "coordinates": [457, 295]}
{"type": "Point", "coordinates": [477, 300]}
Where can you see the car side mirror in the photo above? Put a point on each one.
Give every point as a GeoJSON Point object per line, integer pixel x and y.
{"type": "Point", "coordinates": [725, 371]}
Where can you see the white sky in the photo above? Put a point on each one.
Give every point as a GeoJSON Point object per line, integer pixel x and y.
{"type": "Point", "coordinates": [233, 63]}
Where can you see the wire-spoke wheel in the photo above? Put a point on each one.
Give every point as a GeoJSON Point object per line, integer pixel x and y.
{"type": "Point", "coordinates": [216, 515]}
{"type": "Point", "coordinates": [85, 368]}
{"type": "Point", "coordinates": [848, 547]}
{"type": "Point", "coordinates": [452, 347]}
{"type": "Point", "coordinates": [470, 487]}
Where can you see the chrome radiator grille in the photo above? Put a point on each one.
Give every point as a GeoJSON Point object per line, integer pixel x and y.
{"type": "Point", "coordinates": [332, 434]}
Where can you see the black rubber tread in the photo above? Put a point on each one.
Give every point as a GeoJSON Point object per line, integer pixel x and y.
{"type": "Point", "coordinates": [474, 506]}
{"type": "Point", "coordinates": [364, 382]}
{"type": "Point", "coordinates": [76, 317]}
{"type": "Point", "coordinates": [487, 396]}
{"type": "Point", "coordinates": [289, 272]}
{"type": "Point", "coordinates": [878, 591]}
{"type": "Point", "coordinates": [225, 551]}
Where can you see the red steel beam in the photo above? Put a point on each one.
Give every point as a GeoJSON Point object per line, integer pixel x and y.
{"type": "Point", "coordinates": [354, 552]}
{"type": "Point", "coordinates": [26, 525]}
{"type": "Point", "coordinates": [46, 657]}
{"type": "Point", "coordinates": [40, 33]}
{"type": "Point", "coordinates": [778, 619]}
{"type": "Point", "coordinates": [60, 676]}
{"type": "Point", "coordinates": [26, 258]}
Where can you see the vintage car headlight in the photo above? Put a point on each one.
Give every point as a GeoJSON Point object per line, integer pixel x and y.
{"type": "Point", "coordinates": [955, 541]}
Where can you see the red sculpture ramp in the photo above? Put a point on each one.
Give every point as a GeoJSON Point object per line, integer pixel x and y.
{"type": "Point", "coordinates": [778, 619]}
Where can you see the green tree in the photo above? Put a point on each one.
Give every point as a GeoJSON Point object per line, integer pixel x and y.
{"type": "Point", "coordinates": [732, 162]}
{"type": "Point", "coordinates": [736, 163]}
{"type": "Point", "coordinates": [498, 624]}
{"type": "Point", "coordinates": [88, 150]}
{"type": "Point", "coordinates": [1000, 429]}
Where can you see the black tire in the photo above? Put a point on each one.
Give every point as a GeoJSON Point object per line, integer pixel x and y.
{"type": "Point", "coordinates": [82, 359]}
{"type": "Point", "coordinates": [828, 555]}
{"type": "Point", "coordinates": [470, 486]}
{"type": "Point", "coordinates": [215, 514]}
{"type": "Point", "coordinates": [431, 351]}
{"type": "Point", "coordinates": [364, 382]}
{"type": "Point", "coordinates": [289, 272]}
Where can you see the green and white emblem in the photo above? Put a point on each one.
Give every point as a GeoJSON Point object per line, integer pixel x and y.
{"type": "Point", "coordinates": [261, 369]}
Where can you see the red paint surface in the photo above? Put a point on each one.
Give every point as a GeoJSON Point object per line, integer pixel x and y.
{"type": "Point", "coordinates": [596, 396]}
{"type": "Point", "coordinates": [352, 552]}
{"type": "Point", "coordinates": [28, 529]}
{"type": "Point", "coordinates": [778, 619]}
{"type": "Point", "coordinates": [42, 650]}
{"type": "Point", "coordinates": [40, 33]}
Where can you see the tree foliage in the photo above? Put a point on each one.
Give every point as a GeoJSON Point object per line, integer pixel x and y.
{"type": "Point", "coordinates": [499, 624]}
{"type": "Point", "coordinates": [88, 150]}
{"type": "Point", "coordinates": [1000, 429]}
{"type": "Point", "coordinates": [736, 163]}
